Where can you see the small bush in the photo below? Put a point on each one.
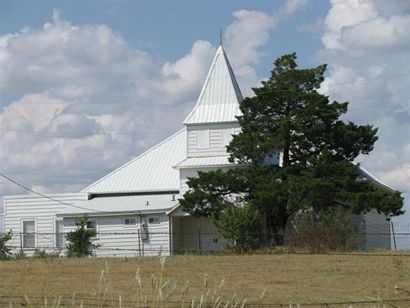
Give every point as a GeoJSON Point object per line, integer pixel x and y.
{"type": "Point", "coordinates": [242, 227]}
{"type": "Point", "coordinates": [273, 250]}
{"type": "Point", "coordinates": [5, 253]}
{"type": "Point", "coordinates": [80, 241]}
{"type": "Point", "coordinates": [43, 254]}
{"type": "Point", "coordinates": [39, 253]}
{"type": "Point", "coordinates": [19, 255]}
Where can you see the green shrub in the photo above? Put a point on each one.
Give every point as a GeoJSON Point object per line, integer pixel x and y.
{"type": "Point", "coordinates": [241, 226]}
{"type": "Point", "coordinates": [19, 255]}
{"type": "Point", "coordinates": [39, 253]}
{"type": "Point", "coordinates": [80, 242]}
{"type": "Point", "coordinates": [5, 253]}
{"type": "Point", "coordinates": [43, 254]}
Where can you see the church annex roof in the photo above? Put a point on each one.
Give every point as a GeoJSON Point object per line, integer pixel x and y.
{"type": "Point", "coordinates": [220, 96]}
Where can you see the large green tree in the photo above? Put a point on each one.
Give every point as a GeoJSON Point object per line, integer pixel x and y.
{"type": "Point", "coordinates": [288, 116]}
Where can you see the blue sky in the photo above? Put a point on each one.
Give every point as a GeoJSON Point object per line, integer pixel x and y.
{"type": "Point", "coordinates": [167, 29]}
{"type": "Point", "coordinates": [101, 81]}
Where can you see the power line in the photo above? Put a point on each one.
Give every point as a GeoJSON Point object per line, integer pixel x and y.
{"type": "Point", "coordinates": [45, 196]}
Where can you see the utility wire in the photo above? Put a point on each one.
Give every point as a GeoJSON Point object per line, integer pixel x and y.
{"type": "Point", "coordinates": [47, 197]}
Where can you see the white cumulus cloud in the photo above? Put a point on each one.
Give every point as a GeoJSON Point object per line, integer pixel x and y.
{"type": "Point", "coordinates": [367, 44]}
{"type": "Point", "coordinates": [88, 101]}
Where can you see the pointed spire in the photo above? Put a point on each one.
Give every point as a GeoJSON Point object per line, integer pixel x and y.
{"type": "Point", "coordinates": [220, 96]}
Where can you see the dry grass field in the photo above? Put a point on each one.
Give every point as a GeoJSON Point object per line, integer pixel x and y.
{"type": "Point", "coordinates": [286, 278]}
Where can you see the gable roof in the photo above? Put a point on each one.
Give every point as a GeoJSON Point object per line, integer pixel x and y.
{"type": "Point", "coordinates": [149, 172]}
{"type": "Point", "coordinates": [366, 175]}
{"type": "Point", "coordinates": [220, 96]}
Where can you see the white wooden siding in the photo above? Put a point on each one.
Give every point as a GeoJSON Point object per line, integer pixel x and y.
{"type": "Point", "coordinates": [40, 209]}
{"type": "Point", "coordinates": [117, 239]}
{"type": "Point", "coordinates": [377, 231]}
{"type": "Point", "coordinates": [1, 223]}
{"type": "Point", "coordinates": [210, 140]}
{"type": "Point", "coordinates": [184, 175]}
{"type": "Point", "coordinates": [193, 234]}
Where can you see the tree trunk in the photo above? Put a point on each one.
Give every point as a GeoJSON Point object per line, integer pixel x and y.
{"type": "Point", "coordinates": [286, 139]}
{"type": "Point", "coordinates": [276, 229]}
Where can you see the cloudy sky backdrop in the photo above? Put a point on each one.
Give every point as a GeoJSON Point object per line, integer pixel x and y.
{"type": "Point", "coordinates": [86, 86]}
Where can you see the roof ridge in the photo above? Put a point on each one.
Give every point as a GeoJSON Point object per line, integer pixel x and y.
{"type": "Point", "coordinates": [133, 160]}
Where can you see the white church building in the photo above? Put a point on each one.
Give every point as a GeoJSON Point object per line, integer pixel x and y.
{"type": "Point", "coordinates": [135, 209]}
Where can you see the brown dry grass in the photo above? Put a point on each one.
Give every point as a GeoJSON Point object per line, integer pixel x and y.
{"type": "Point", "coordinates": [287, 278]}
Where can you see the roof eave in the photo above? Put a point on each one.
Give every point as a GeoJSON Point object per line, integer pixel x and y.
{"type": "Point", "coordinates": [109, 214]}
{"type": "Point", "coordinates": [208, 122]}
{"type": "Point", "coordinates": [205, 166]}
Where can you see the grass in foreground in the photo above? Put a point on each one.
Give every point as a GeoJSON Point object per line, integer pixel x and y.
{"type": "Point", "coordinates": [280, 278]}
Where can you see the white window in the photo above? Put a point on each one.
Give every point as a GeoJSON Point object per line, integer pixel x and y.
{"type": "Point", "coordinates": [130, 221]}
{"type": "Point", "coordinates": [92, 224]}
{"type": "Point", "coordinates": [29, 235]}
{"type": "Point", "coordinates": [59, 234]}
{"type": "Point", "coordinates": [203, 139]}
{"type": "Point", "coordinates": [154, 220]}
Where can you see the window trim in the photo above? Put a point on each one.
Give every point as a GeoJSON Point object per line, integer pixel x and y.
{"type": "Point", "coordinates": [22, 221]}
{"type": "Point", "coordinates": [154, 217]}
{"type": "Point", "coordinates": [130, 225]}
{"type": "Point", "coordinates": [57, 233]}
{"type": "Point", "coordinates": [96, 227]}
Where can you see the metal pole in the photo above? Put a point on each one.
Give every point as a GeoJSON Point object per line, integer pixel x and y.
{"type": "Point", "coordinates": [139, 243]}
{"type": "Point", "coordinates": [394, 235]}
{"type": "Point", "coordinates": [171, 237]}
{"type": "Point", "coordinates": [198, 232]}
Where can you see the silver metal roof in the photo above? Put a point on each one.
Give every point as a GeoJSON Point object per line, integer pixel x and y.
{"type": "Point", "coordinates": [197, 162]}
{"type": "Point", "coordinates": [121, 204]}
{"type": "Point", "coordinates": [220, 96]}
{"type": "Point", "coordinates": [366, 175]}
{"type": "Point", "coordinates": [150, 171]}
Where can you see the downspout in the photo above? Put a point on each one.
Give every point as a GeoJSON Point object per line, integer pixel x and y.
{"type": "Point", "coordinates": [394, 235]}
{"type": "Point", "coordinates": [140, 243]}
{"type": "Point", "coordinates": [171, 238]}
{"type": "Point", "coordinates": [198, 233]}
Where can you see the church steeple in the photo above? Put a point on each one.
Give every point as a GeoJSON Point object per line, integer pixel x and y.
{"type": "Point", "coordinates": [220, 96]}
